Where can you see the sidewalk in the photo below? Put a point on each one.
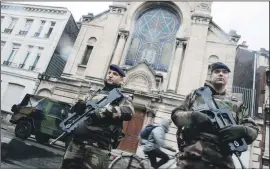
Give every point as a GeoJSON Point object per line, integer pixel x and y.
{"type": "Point", "coordinates": [6, 125]}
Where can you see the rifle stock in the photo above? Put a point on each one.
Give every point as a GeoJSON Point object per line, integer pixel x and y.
{"type": "Point", "coordinates": [70, 123]}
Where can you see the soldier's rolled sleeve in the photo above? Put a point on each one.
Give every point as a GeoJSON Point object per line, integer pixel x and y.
{"type": "Point", "coordinates": [125, 110]}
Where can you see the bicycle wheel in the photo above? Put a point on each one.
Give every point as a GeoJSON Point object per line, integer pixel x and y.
{"type": "Point", "coordinates": [124, 161]}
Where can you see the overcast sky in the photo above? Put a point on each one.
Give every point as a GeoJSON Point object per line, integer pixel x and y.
{"type": "Point", "coordinates": [249, 19]}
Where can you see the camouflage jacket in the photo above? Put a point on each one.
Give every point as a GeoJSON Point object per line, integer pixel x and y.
{"type": "Point", "coordinates": [207, 150]}
{"type": "Point", "coordinates": [108, 130]}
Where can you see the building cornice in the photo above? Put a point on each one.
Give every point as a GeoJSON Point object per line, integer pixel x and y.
{"type": "Point", "coordinates": [19, 75]}
{"type": "Point", "coordinates": [30, 8]}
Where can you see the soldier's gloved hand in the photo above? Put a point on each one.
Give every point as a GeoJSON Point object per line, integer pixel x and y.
{"type": "Point", "coordinates": [199, 118]}
{"type": "Point", "coordinates": [108, 111]}
{"type": "Point", "coordinates": [116, 113]}
{"type": "Point", "coordinates": [97, 115]}
{"type": "Point", "coordinates": [233, 132]}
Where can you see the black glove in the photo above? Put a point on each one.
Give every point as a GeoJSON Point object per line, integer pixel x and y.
{"type": "Point", "coordinates": [233, 132]}
{"type": "Point", "coordinates": [200, 119]}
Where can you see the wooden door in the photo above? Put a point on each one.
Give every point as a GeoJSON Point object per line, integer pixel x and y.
{"type": "Point", "coordinates": [132, 129]}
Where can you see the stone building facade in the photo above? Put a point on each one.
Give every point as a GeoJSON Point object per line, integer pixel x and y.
{"type": "Point", "coordinates": [166, 48]}
{"type": "Point", "coordinates": [30, 36]}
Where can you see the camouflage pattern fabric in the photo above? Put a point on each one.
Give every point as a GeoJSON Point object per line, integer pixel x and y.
{"type": "Point", "coordinates": [197, 152]}
{"type": "Point", "coordinates": [93, 156]}
{"type": "Point", "coordinates": [93, 147]}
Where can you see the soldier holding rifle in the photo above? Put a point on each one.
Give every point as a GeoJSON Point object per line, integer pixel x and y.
{"type": "Point", "coordinates": [92, 142]}
{"type": "Point", "coordinates": [200, 146]}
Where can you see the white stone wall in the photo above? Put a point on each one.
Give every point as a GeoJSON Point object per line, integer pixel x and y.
{"type": "Point", "coordinates": [42, 45]}
{"type": "Point", "coordinates": [197, 39]}
{"type": "Point", "coordinates": [17, 76]}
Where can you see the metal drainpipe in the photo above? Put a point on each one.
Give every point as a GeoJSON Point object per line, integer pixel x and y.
{"type": "Point", "coordinates": [253, 92]}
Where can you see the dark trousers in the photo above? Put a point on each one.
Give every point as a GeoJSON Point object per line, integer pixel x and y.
{"type": "Point", "coordinates": [153, 158]}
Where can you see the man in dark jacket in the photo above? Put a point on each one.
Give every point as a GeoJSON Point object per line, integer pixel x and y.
{"type": "Point", "coordinates": [92, 143]}
{"type": "Point", "coordinates": [198, 153]}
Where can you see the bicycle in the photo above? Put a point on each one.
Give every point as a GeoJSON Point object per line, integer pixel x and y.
{"type": "Point", "coordinates": [133, 161]}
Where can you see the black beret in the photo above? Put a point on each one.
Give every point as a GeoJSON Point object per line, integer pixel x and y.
{"type": "Point", "coordinates": [117, 69]}
{"type": "Point", "coordinates": [219, 65]}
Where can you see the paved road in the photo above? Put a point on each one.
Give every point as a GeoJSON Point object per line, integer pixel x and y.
{"type": "Point", "coordinates": [28, 153]}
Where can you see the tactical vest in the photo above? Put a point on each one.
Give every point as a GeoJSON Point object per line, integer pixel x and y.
{"type": "Point", "coordinates": [105, 133]}
{"type": "Point", "coordinates": [229, 102]}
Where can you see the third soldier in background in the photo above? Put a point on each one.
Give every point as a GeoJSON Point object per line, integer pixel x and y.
{"type": "Point", "coordinates": [199, 153]}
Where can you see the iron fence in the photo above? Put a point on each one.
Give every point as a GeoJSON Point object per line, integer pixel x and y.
{"type": "Point", "coordinates": [247, 99]}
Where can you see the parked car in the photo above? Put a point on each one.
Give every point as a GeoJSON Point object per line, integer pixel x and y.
{"type": "Point", "coordinates": [39, 116]}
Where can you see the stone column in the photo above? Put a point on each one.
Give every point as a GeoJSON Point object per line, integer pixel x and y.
{"type": "Point", "coordinates": [176, 66]}
{"type": "Point", "coordinates": [98, 66]}
{"type": "Point", "coordinates": [192, 66]}
{"type": "Point", "coordinates": [120, 47]}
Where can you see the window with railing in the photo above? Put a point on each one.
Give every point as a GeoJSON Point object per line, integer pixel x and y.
{"type": "Point", "coordinates": [12, 54]}
{"type": "Point", "coordinates": [11, 25]}
{"type": "Point", "coordinates": [27, 26]}
{"type": "Point", "coordinates": [47, 35]}
{"type": "Point", "coordinates": [37, 34]}
{"type": "Point", "coordinates": [35, 63]}
{"type": "Point", "coordinates": [24, 61]}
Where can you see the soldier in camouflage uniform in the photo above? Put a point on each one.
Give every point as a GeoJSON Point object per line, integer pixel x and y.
{"type": "Point", "coordinates": [91, 144]}
{"type": "Point", "coordinates": [199, 152]}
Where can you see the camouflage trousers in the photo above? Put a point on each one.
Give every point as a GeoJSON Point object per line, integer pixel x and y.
{"type": "Point", "coordinates": [78, 156]}
{"type": "Point", "coordinates": [196, 164]}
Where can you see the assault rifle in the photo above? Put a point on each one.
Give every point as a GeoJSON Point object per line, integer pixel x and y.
{"type": "Point", "coordinates": [70, 123]}
{"type": "Point", "coordinates": [220, 118]}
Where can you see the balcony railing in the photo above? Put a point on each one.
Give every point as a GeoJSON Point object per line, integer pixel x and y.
{"type": "Point", "coordinates": [7, 63]}
{"type": "Point", "coordinates": [8, 30]}
{"type": "Point", "coordinates": [46, 35]}
{"type": "Point", "coordinates": [21, 65]}
{"type": "Point", "coordinates": [36, 34]}
{"type": "Point", "coordinates": [23, 32]}
{"type": "Point", "coordinates": [11, 64]}
{"type": "Point", "coordinates": [32, 67]}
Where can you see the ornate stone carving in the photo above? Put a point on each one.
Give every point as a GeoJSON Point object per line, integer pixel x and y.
{"type": "Point", "coordinates": [201, 19]}
{"type": "Point", "coordinates": [32, 9]}
{"type": "Point", "coordinates": [204, 6]}
{"type": "Point", "coordinates": [155, 78]}
{"type": "Point", "coordinates": [234, 36]}
{"type": "Point", "coordinates": [123, 34]}
{"type": "Point", "coordinates": [117, 9]}
{"type": "Point", "coordinates": [180, 42]}
{"type": "Point", "coordinates": [88, 17]}
{"type": "Point", "coordinates": [139, 81]}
